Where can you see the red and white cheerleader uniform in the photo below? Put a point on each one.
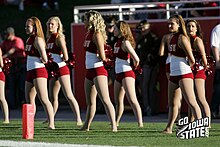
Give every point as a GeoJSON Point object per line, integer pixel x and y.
{"type": "Point", "coordinates": [94, 65]}
{"type": "Point", "coordinates": [2, 75]}
{"type": "Point", "coordinates": [199, 73]}
{"type": "Point", "coordinates": [122, 63]}
{"type": "Point", "coordinates": [179, 67]}
{"type": "Point", "coordinates": [57, 55]}
{"type": "Point", "coordinates": [35, 67]}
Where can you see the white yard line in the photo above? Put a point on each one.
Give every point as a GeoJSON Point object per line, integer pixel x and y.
{"type": "Point", "coordinates": [8, 143]}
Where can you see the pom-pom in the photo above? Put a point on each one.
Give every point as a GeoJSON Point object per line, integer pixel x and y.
{"type": "Point", "coordinates": [195, 67]}
{"type": "Point", "coordinates": [108, 64]}
{"type": "Point", "coordinates": [71, 62]}
{"type": "Point", "coordinates": [7, 64]}
{"type": "Point", "coordinates": [138, 70]}
{"type": "Point", "coordinates": [210, 60]}
{"type": "Point", "coordinates": [52, 67]}
{"type": "Point", "coordinates": [109, 54]}
{"type": "Point", "coordinates": [208, 72]}
{"type": "Point", "coordinates": [211, 63]}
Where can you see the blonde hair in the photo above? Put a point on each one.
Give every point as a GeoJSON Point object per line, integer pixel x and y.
{"type": "Point", "coordinates": [125, 32]}
{"type": "Point", "coordinates": [96, 22]}
{"type": "Point", "coordinates": [38, 31]}
{"type": "Point", "coordinates": [60, 26]}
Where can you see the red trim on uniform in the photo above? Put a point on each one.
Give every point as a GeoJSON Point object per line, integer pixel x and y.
{"type": "Point", "coordinates": [200, 75]}
{"type": "Point", "coordinates": [64, 71]}
{"type": "Point", "coordinates": [36, 73]}
{"type": "Point", "coordinates": [176, 79]}
{"type": "Point", "coordinates": [94, 72]}
{"type": "Point", "coordinates": [121, 76]}
{"type": "Point", "coordinates": [2, 76]}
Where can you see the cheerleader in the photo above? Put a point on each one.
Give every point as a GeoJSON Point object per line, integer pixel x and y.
{"type": "Point", "coordinates": [36, 77]}
{"type": "Point", "coordinates": [174, 97]}
{"type": "Point", "coordinates": [96, 80]}
{"type": "Point", "coordinates": [181, 61]}
{"type": "Point", "coordinates": [56, 45]}
{"type": "Point", "coordinates": [4, 104]}
{"type": "Point", "coordinates": [125, 77]}
{"type": "Point", "coordinates": [194, 31]}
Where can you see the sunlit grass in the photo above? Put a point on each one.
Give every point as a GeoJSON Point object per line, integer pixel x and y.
{"type": "Point", "coordinates": [100, 134]}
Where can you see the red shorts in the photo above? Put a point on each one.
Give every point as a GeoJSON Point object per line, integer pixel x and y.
{"type": "Point", "coordinates": [94, 72]}
{"type": "Point", "coordinates": [168, 68]}
{"type": "Point", "coordinates": [200, 74]}
{"type": "Point", "coordinates": [176, 79]}
{"type": "Point", "coordinates": [64, 71]}
{"type": "Point", "coordinates": [2, 76]}
{"type": "Point", "coordinates": [121, 76]}
{"type": "Point", "coordinates": [36, 73]}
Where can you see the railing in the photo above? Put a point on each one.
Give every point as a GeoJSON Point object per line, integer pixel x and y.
{"type": "Point", "coordinates": [136, 11]}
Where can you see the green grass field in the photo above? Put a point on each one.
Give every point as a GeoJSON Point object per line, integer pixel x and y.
{"type": "Point", "coordinates": [100, 134]}
{"type": "Point", "coordinates": [66, 131]}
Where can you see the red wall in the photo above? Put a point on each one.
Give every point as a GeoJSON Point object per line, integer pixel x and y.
{"type": "Point", "coordinates": [159, 28]}
{"type": "Point", "coordinates": [77, 36]}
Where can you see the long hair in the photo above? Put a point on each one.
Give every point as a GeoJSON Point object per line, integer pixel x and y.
{"type": "Point", "coordinates": [1, 60]}
{"type": "Point", "coordinates": [60, 26]}
{"type": "Point", "coordinates": [38, 31]}
{"type": "Point", "coordinates": [199, 30]}
{"type": "Point", "coordinates": [180, 21]}
{"type": "Point", "coordinates": [126, 32]}
{"type": "Point", "coordinates": [96, 23]}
